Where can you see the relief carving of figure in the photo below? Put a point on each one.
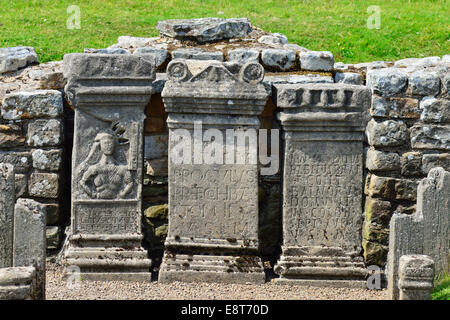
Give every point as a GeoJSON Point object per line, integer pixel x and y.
{"type": "Point", "coordinates": [104, 177]}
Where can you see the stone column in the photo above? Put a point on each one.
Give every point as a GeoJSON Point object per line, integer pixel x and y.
{"type": "Point", "coordinates": [30, 241]}
{"type": "Point", "coordinates": [7, 200]}
{"type": "Point", "coordinates": [416, 276]}
{"type": "Point", "coordinates": [213, 205]}
{"type": "Point", "coordinates": [109, 94]}
{"type": "Point", "coordinates": [425, 232]}
{"type": "Point", "coordinates": [322, 139]}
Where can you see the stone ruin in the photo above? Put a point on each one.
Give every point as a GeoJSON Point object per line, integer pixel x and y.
{"type": "Point", "coordinates": [90, 138]}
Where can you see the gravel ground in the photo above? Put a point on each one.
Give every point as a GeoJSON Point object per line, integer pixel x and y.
{"type": "Point", "coordinates": [96, 290]}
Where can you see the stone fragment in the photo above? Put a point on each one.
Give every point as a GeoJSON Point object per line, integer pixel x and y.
{"type": "Point", "coordinates": [275, 39]}
{"type": "Point", "coordinates": [424, 232]}
{"type": "Point", "coordinates": [47, 160]}
{"type": "Point", "coordinates": [402, 108]}
{"type": "Point", "coordinates": [435, 110]}
{"type": "Point", "coordinates": [14, 58]}
{"type": "Point", "coordinates": [44, 185]}
{"type": "Point", "coordinates": [371, 65]}
{"type": "Point", "coordinates": [219, 241]}
{"type": "Point", "coordinates": [382, 161]}
{"type": "Point", "coordinates": [428, 136]}
{"type": "Point", "coordinates": [387, 82]}
{"type": "Point", "coordinates": [34, 104]}
{"type": "Point", "coordinates": [348, 77]}
{"type": "Point", "coordinates": [105, 238]}
{"type": "Point", "coordinates": [197, 54]}
{"type": "Point", "coordinates": [411, 164]}
{"type": "Point", "coordinates": [295, 47]}
{"type": "Point", "coordinates": [392, 188]}
{"type": "Point", "coordinates": [322, 220]}
{"type": "Point", "coordinates": [416, 276]}
{"type": "Point", "coordinates": [205, 29]}
{"type": "Point", "coordinates": [53, 236]}
{"type": "Point", "coordinates": [44, 133]}
{"type": "Point", "coordinates": [374, 253]}
{"type": "Point", "coordinates": [417, 62]}
{"type": "Point", "coordinates": [107, 51]}
{"type": "Point", "coordinates": [430, 161]}
{"type": "Point", "coordinates": [424, 83]}
{"type": "Point", "coordinates": [18, 283]}
{"type": "Point", "coordinates": [387, 133]}
{"type": "Point", "coordinates": [378, 211]}
{"type": "Point", "coordinates": [278, 59]}
{"type": "Point", "coordinates": [20, 160]}
{"type": "Point", "coordinates": [11, 135]}
{"type": "Point", "coordinates": [135, 42]}
{"type": "Point", "coordinates": [316, 60]}
{"type": "Point", "coordinates": [30, 239]}
{"type": "Point", "coordinates": [243, 55]}
{"type": "Point", "coordinates": [7, 200]}
{"type": "Point", "coordinates": [160, 55]}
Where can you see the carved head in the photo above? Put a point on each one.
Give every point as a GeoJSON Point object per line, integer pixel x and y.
{"type": "Point", "coordinates": [107, 142]}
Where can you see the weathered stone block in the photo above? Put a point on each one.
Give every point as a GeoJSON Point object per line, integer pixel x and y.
{"type": "Point", "coordinates": [411, 164]}
{"type": "Point", "coordinates": [47, 160]}
{"type": "Point", "coordinates": [435, 110]}
{"type": "Point", "coordinates": [374, 253]}
{"type": "Point", "coordinates": [18, 283]}
{"type": "Point", "coordinates": [387, 82]}
{"type": "Point", "coordinates": [21, 185]}
{"type": "Point", "coordinates": [430, 161]}
{"type": "Point", "coordinates": [53, 236]}
{"type": "Point", "coordinates": [52, 210]}
{"type": "Point", "coordinates": [243, 55]}
{"type": "Point", "coordinates": [378, 211]}
{"type": "Point", "coordinates": [35, 104]}
{"type": "Point", "coordinates": [275, 39]}
{"type": "Point", "coordinates": [197, 54]}
{"type": "Point", "coordinates": [20, 160]}
{"type": "Point", "coordinates": [107, 51]}
{"type": "Point", "coordinates": [388, 133]}
{"type": "Point", "coordinates": [382, 161]}
{"type": "Point", "coordinates": [348, 77]}
{"type": "Point", "coordinates": [424, 83]}
{"type": "Point", "coordinates": [11, 135]}
{"type": "Point", "coordinates": [30, 239]}
{"type": "Point", "coordinates": [12, 59]}
{"type": "Point", "coordinates": [44, 133]}
{"type": "Point", "coordinates": [160, 55]}
{"type": "Point", "coordinates": [317, 60]}
{"type": "Point", "coordinates": [402, 108]}
{"type": "Point", "coordinates": [43, 185]}
{"type": "Point", "coordinates": [416, 276]}
{"type": "Point", "coordinates": [428, 136]}
{"type": "Point", "coordinates": [204, 29]}
{"type": "Point", "coordinates": [7, 200]}
{"type": "Point", "coordinates": [278, 59]}
{"type": "Point", "coordinates": [392, 188]}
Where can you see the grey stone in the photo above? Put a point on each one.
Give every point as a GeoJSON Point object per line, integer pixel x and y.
{"type": "Point", "coordinates": [293, 79]}
{"type": "Point", "coordinates": [156, 146]}
{"type": "Point", "coordinates": [53, 235]}
{"type": "Point", "coordinates": [382, 161]}
{"type": "Point", "coordinates": [387, 133]}
{"type": "Point", "coordinates": [317, 60]}
{"type": "Point", "coordinates": [322, 175]}
{"type": "Point", "coordinates": [295, 47]}
{"type": "Point", "coordinates": [430, 161]}
{"type": "Point", "coordinates": [135, 42]}
{"type": "Point", "coordinates": [109, 93]}
{"type": "Point", "coordinates": [52, 213]}
{"type": "Point", "coordinates": [424, 83]}
{"type": "Point", "coordinates": [424, 232]}
{"type": "Point", "coordinates": [18, 283]}
{"type": "Point", "coordinates": [429, 136]}
{"type": "Point", "coordinates": [348, 77]}
{"type": "Point", "coordinates": [47, 160]}
{"type": "Point", "coordinates": [274, 39]}
{"type": "Point", "coordinates": [20, 160]}
{"type": "Point", "coordinates": [197, 54]}
{"type": "Point", "coordinates": [44, 133]}
{"type": "Point", "coordinates": [416, 276]}
{"type": "Point", "coordinates": [35, 104]}
{"type": "Point", "coordinates": [391, 188]}
{"type": "Point", "coordinates": [387, 82]}
{"type": "Point", "coordinates": [205, 29]}
{"type": "Point", "coordinates": [44, 185]}
{"type": "Point", "coordinates": [278, 59]}
{"type": "Point", "coordinates": [218, 242]}
{"type": "Point", "coordinates": [12, 59]}
{"type": "Point", "coordinates": [411, 164]}
{"type": "Point", "coordinates": [107, 51]}
{"type": "Point", "coordinates": [395, 107]}
{"type": "Point", "coordinates": [435, 110]}
{"type": "Point", "coordinates": [30, 240]}
{"type": "Point", "coordinates": [371, 65]}
{"type": "Point", "coordinates": [446, 83]}
{"type": "Point", "coordinates": [160, 55]}
{"type": "Point", "coordinates": [446, 58]}
{"type": "Point", "coordinates": [160, 81]}
{"type": "Point", "coordinates": [243, 55]}
{"type": "Point", "coordinates": [7, 200]}
{"type": "Point", "coordinates": [21, 185]}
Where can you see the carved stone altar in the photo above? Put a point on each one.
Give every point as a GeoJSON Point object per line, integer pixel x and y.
{"type": "Point", "coordinates": [109, 93]}
{"type": "Point", "coordinates": [213, 206]}
{"type": "Point", "coordinates": [323, 134]}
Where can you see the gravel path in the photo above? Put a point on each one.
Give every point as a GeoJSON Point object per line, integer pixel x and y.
{"type": "Point", "coordinates": [57, 290]}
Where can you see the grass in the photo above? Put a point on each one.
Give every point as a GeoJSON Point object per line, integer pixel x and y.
{"type": "Point", "coordinates": [441, 290]}
{"type": "Point", "coordinates": [408, 28]}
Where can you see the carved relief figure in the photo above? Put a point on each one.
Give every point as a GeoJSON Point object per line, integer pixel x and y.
{"type": "Point", "coordinates": [104, 177]}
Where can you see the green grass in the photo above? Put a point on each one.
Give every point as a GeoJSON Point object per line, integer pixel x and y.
{"type": "Point", "coordinates": [441, 290]}
{"type": "Point", "coordinates": [408, 28]}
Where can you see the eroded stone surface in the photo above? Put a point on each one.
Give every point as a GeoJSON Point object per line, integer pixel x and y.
{"type": "Point", "coordinates": [18, 283]}
{"type": "Point", "coordinates": [386, 82]}
{"type": "Point", "coordinates": [278, 59]}
{"type": "Point", "coordinates": [14, 58]}
{"type": "Point", "coordinates": [36, 104]}
{"type": "Point", "coordinates": [317, 60]}
{"type": "Point", "coordinates": [416, 276]}
{"type": "Point", "coordinates": [386, 133]}
{"type": "Point", "coordinates": [7, 200]}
